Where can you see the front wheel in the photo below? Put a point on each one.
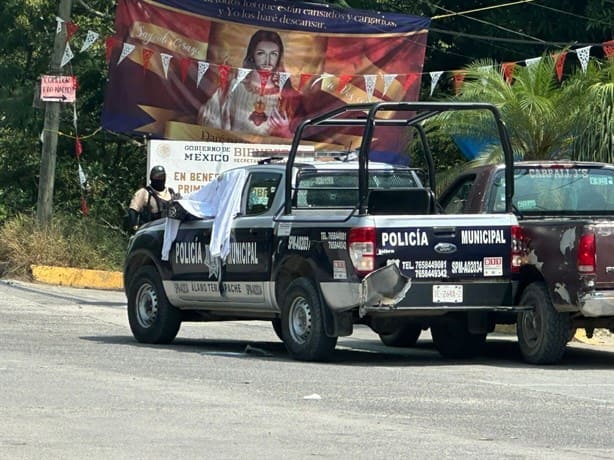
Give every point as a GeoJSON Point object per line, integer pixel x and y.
{"type": "Point", "coordinates": [544, 332]}
{"type": "Point", "coordinates": [302, 323]}
{"type": "Point", "coordinates": [453, 340]}
{"type": "Point", "coordinates": [152, 318]}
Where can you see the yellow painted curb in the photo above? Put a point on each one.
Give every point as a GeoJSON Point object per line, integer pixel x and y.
{"type": "Point", "coordinates": [580, 336]}
{"type": "Point", "coordinates": [78, 277]}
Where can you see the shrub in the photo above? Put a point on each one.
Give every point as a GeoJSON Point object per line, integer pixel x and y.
{"type": "Point", "coordinates": [68, 241]}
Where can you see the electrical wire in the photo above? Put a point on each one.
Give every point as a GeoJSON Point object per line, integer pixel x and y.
{"type": "Point", "coordinates": [462, 13]}
{"type": "Point", "coordinates": [495, 25]}
{"type": "Point", "coordinates": [572, 14]}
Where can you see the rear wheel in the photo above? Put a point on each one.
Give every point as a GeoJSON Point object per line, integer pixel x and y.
{"type": "Point", "coordinates": [152, 318]}
{"type": "Point", "coordinates": [405, 336]}
{"type": "Point", "coordinates": [302, 323]}
{"type": "Point", "coordinates": [544, 332]}
{"type": "Point", "coordinates": [452, 338]}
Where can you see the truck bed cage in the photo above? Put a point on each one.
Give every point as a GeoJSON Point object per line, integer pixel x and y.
{"type": "Point", "coordinates": [366, 115]}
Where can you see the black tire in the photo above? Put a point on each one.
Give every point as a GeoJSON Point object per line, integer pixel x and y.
{"type": "Point", "coordinates": [277, 328]}
{"type": "Point", "coordinates": [152, 318]}
{"type": "Point", "coordinates": [453, 340]}
{"type": "Point", "coordinates": [302, 323]}
{"type": "Point", "coordinates": [544, 332]}
{"type": "Point", "coordinates": [404, 337]}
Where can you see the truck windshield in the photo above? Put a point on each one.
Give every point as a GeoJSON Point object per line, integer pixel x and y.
{"type": "Point", "coordinates": [558, 190]}
{"type": "Point", "coordinates": [335, 188]}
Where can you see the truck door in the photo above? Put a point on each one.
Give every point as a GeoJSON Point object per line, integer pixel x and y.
{"type": "Point", "coordinates": [248, 267]}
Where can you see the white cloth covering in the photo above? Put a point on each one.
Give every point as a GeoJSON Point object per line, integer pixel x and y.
{"type": "Point", "coordinates": [220, 200]}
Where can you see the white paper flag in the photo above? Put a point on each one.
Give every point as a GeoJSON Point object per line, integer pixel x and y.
{"type": "Point", "coordinates": [59, 21]}
{"type": "Point", "coordinates": [370, 85]}
{"type": "Point", "coordinates": [241, 74]}
{"type": "Point", "coordinates": [126, 50]}
{"type": "Point", "coordinates": [67, 55]}
{"type": "Point", "coordinates": [532, 61]}
{"type": "Point", "coordinates": [434, 79]}
{"type": "Point", "coordinates": [166, 62]}
{"type": "Point", "coordinates": [283, 78]}
{"type": "Point", "coordinates": [202, 70]}
{"type": "Point", "coordinates": [583, 56]}
{"type": "Point", "coordinates": [388, 79]}
{"type": "Point", "coordinates": [74, 116]}
{"type": "Point", "coordinates": [82, 178]}
{"type": "Point", "coordinates": [90, 38]}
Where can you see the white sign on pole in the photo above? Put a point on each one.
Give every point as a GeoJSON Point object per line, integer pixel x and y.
{"type": "Point", "coordinates": [189, 165]}
{"type": "Point", "coordinates": [58, 88]}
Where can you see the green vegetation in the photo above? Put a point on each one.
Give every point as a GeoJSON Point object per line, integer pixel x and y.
{"type": "Point", "coordinates": [115, 164]}
{"type": "Point", "coordinates": [69, 241]}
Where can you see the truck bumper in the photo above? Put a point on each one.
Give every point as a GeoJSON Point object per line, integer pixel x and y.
{"type": "Point", "coordinates": [597, 303]}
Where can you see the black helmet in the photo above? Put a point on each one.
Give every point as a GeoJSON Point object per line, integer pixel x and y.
{"type": "Point", "coordinates": [157, 173]}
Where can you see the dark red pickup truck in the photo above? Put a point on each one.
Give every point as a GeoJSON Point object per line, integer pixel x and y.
{"type": "Point", "coordinates": [566, 216]}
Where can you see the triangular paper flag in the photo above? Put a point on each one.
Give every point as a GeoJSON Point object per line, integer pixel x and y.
{"type": "Point", "coordinates": [370, 85]}
{"type": "Point", "coordinates": [343, 81]}
{"type": "Point", "coordinates": [126, 50]}
{"type": "Point", "coordinates": [78, 147]}
{"type": "Point", "coordinates": [459, 77]}
{"type": "Point", "coordinates": [264, 76]}
{"type": "Point", "coordinates": [559, 62]}
{"type": "Point", "coordinates": [283, 78]}
{"type": "Point", "coordinates": [146, 55]}
{"type": "Point", "coordinates": [410, 79]}
{"type": "Point", "coordinates": [241, 74]}
{"type": "Point", "coordinates": [166, 62]}
{"type": "Point", "coordinates": [82, 177]}
{"type": "Point", "coordinates": [532, 61]}
{"type": "Point", "coordinates": [507, 68]}
{"type": "Point", "coordinates": [84, 208]}
{"type": "Point", "coordinates": [59, 22]}
{"type": "Point", "coordinates": [305, 77]}
{"type": "Point", "coordinates": [74, 111]}
{"type": "Point", "coordinates": [583, 56]}
{"type": "Point", "coordinates": [608, 49]}
{"type": "Point", "coordinates": [388, 79]}
{"type": "Point", "coordinates": [202, 69]}
{"type": "Point", "coordinates": [90, 38]}
{"type": "Point", "coordinates": [184, 66]}
{"type": "Point", "coordinates": [67, 56]}
{"type": "Point", "coordinates": [224, 72]}
{"type": "Point", "coordinates": [71, 29]}
{"type": "Point", "coordinates": [110, 43]}
{"type": "Point", "coordinates": [434, 79]}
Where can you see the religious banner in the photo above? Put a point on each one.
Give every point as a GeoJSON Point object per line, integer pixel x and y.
{"type": "Point", "coordinates": [249, 71]}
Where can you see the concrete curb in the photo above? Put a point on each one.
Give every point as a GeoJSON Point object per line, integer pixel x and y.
{"type": "Point", "coordinates": [78, 277]}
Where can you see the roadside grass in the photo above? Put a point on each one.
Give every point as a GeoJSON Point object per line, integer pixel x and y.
{"type": "Point", "coordinates": [68, 241]}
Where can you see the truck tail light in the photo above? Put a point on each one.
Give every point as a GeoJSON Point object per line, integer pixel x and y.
{"type": "Point", "coordinates": [518, 248]}
{"type": "Point", "coordinates": [361, 246]}
{"type": "Point", "coordinates": [587, 257]}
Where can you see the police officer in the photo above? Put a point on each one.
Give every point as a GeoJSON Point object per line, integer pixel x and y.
{"type": "Point", "coordinates": [151, 202]}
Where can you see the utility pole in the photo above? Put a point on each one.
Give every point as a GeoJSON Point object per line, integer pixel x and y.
{"type": "Point", "coordinates": [46, 181]}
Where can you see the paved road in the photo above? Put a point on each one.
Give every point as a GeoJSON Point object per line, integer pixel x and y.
{"type": "Point", "coordinates": [74, 385]}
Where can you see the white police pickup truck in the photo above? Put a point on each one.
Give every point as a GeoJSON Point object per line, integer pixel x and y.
{"type": "Point", "coordinates": [316, 247]}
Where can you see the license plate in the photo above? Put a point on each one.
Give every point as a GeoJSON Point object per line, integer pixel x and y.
{"type": "Point", "coordinates": [444, 293]}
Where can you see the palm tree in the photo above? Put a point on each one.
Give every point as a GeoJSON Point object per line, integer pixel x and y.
{"type": "Point", "coordinates": [595, 137]}
{"type": "Point", "coordinates": [545, 119]}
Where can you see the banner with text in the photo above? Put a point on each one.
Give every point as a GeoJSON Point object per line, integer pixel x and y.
{"type": "Point", "coordinates": [189, 165]}
{"type": "Point", "coordinates": [248, 71]}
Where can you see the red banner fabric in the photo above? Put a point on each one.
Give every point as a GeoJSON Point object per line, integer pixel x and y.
{"type": "Point", "coordinates": [313, 56]}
